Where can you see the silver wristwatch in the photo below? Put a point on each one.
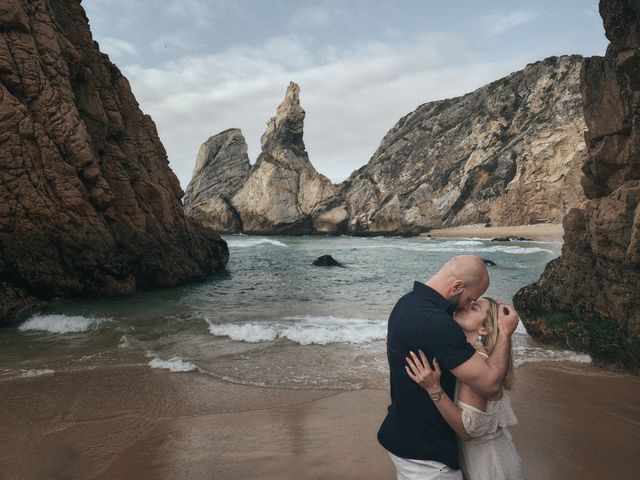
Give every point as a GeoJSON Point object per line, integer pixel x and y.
{"type": "Point", "coordinates": [435, 396]}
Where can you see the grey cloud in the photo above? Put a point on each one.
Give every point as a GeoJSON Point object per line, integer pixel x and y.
{"type": "Point", "coordinates": [502, 22]}
{"type": "Point", "coordinates": [311, 16]}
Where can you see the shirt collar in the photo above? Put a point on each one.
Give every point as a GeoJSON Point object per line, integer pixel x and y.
{"type": "Point", "coordinates": [435, 297]}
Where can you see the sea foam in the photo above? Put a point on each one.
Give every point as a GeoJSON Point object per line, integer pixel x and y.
{"type": "Point", "coordinates": [459, 247]}
{"type": "Point", "coordinates": [173, 364]}
{"type": "Point", "coordinates": [38, 372]}
{"type": "Point", "coordinates": [9, 373]}
{"type": "Point", "coordinates": [305, 330]}
{"type": "Point", "coordinates": [515, 250]}
{"type": "Point", "coordinates": [522, 356]}
{"type": "Point", "coordinates": [253, 242]}
{"type": "Point", "coordinates": [61, 323]}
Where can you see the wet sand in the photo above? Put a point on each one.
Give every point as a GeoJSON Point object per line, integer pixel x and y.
{"type": "Point", "coordinates": [550, 232]}
{"type": "Point", "coordinates": [576, 422]}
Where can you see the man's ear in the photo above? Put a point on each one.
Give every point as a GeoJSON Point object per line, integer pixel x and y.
{"type": "Point", "coordinates": [457, 287]}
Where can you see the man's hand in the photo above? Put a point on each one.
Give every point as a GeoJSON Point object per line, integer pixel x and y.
{"type": "Point", "coordinates": [487, 377]}
{"type": "Point", "coordinates": [507, 319]}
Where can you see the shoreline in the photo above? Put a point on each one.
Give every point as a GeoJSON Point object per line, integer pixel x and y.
{"type": "Point", "coordinates": [544, 232]}
{"type": "Point", "coordinates": [136, 422]}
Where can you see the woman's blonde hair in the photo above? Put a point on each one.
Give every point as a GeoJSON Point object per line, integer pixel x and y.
{"type": "Point", "coordinates": [491, 323]}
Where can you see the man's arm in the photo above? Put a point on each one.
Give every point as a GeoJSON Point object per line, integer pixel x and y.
{"type": "Point", "coordinates": [487, 376]}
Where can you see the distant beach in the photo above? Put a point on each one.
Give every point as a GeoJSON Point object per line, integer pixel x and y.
{"type": "Point", "coordinates": [541, 231]}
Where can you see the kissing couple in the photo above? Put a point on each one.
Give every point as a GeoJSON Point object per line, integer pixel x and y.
{"type": "Point", "coordinates": [450, 360]}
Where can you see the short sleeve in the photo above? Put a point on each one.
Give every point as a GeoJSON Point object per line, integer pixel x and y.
{"type": "Point", "coordinates": [445, 340]}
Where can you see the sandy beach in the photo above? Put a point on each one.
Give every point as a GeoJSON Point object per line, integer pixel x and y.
{"type": "Point", "coordinates": [542, 231]}
{"type": "Point", "coordinates": [576, 422]}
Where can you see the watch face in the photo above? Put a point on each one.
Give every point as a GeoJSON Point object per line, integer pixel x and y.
{"type": "Point", "coordinates": [435, 396]}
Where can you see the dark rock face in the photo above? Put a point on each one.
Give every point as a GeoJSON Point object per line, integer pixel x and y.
{"type": "Point", "coordinates": [588, 298]}
{"type": "Point", "coordinates": [326, 261]}
{"type": "Point", "coordinates": [16, 302]}
{"type": "Point", "coordinates": [88, 203]}
{"type": "Point", "coordinates": [510, 239]}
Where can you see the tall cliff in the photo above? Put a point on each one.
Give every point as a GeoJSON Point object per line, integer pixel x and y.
{"type": "Point", "coordinates": [282, 191]}
{"type": "Point", "coordinates": [88, 202]}
{"type": "Point", "coordinates": [469, 159]}
{"type": "Point", "coordinates": [588, 298]}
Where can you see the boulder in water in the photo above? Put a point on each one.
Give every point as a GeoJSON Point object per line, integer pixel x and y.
{"type": "Point", "coordinates": [510, 238]}
{"type": "Point", "coordinates": [326, 261]}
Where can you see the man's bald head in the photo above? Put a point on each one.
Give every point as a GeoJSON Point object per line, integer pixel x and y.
{"type": "Point", "coordinates": [469, 268]}
{"type": "Point", "coordinates": [461, 280]}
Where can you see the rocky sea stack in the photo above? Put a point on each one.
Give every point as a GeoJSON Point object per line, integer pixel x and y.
{"type": "Point", "coordinates": [470, 159]}
{"type": "Point", "coordinates": [88, 202]}
{"type": "Point", "coordinates": [222, 168]}
{"type": "Point", "coordinates": [588, 298]}
{"type": "Point", "coordinates": [279, 195]}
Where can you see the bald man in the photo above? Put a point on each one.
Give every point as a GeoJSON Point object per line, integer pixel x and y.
{"type": "Point", "coordinates": [419, 441]}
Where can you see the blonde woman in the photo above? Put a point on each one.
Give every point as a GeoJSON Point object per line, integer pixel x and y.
{"type": "Point", "coordinates": [486, 449]}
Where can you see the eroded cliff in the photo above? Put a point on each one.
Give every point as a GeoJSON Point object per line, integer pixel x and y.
{"type": "Point", "coordinates": [88, 202]}
{"type": "Point", "coordinates": [465, 160]}
{"type": "Point", "coordinates": [472, 159]}
{"type": "Point", "coordinates": [588, 298]}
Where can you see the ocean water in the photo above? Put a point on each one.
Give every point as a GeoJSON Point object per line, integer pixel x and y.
{"type": "Point", "coordinates": [271, 318]}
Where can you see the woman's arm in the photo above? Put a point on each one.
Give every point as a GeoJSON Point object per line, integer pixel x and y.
{"type": "Point", "coordinates": [420, 372]}
{"type": "Point", "coordinates": [468, 396]}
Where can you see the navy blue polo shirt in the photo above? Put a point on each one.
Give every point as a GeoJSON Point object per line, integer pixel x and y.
{"type": "Point", "coordinates": [413, 427]}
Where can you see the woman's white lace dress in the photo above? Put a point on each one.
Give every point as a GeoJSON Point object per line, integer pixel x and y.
{"type": "Point", "coordinates": [490, 455]}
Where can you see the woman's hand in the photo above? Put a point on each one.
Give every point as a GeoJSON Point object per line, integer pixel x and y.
{"type": "Point", "coordinates": [420, 372]}
{"type": "Point", "coordinates": [507, 319]}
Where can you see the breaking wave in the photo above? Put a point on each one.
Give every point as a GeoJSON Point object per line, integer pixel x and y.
{"type": "Point", "coordinates": [61, 323]}
{"type": "Point", "coordinates": [305, 330]}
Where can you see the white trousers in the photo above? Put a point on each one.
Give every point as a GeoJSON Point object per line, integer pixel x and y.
{"type": "Point", "coordinates": [409, 469]}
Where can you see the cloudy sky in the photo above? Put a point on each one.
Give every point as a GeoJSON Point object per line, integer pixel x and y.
{"type": "Point", "coordinates": [201, 66]}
